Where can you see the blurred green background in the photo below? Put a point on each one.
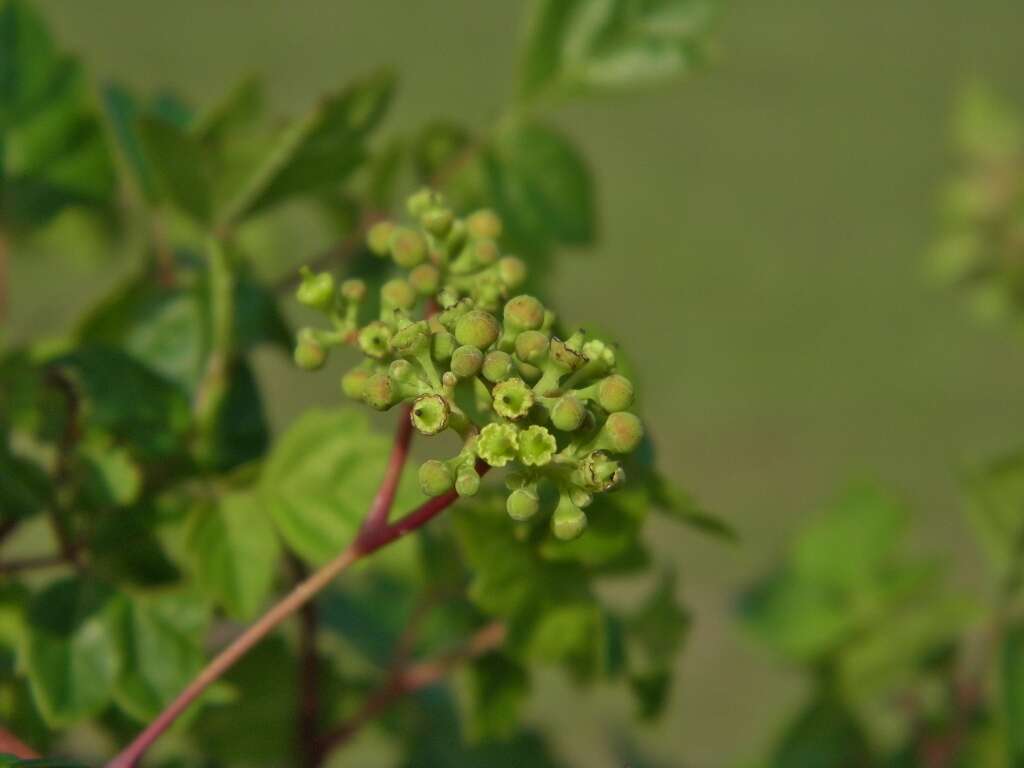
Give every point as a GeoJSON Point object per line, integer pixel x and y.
{"type": "Point", "coordinates": [762, 254]}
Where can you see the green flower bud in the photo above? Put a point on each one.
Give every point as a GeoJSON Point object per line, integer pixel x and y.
{"type": "Point", "coordinates": [435, 477]}
{"type": "Point", "coordinates": [448, 298]}
{"type": "Point", "coordinates": [484, 252]}
{"type": "Point", "coordinates": [422, 200]}
{"type": "Point", "coordinates": [567, 413]}
{"type": "Point", "coordinates": [564, 357]}
{"type": "Point", "coordinates": [443, 344]}
{"type": "Point", "coordinates": [353, 383]}
{"type": "Point", "coordinates": [316, 291]}
{"type": "Point", "coordinates": [522, 504]}
{"type": "Point", "coordinates": [412, 340]}
{"type": "Point", "coordinates": [536, 446]}
{"type": "Point", "coordinates": [599, 472]}
{"type": "Point", "coordinates": [379, 391]}
{"type": "Point", "coordinates": [467, 481]}
{"type": "Point", "coordinates": [437, 221]}
{"type": "Point", "coordinates": [425, 279]}
{"type": "Point", "coordinates": [512, 398]}
{"type": "Point", "coordinates": [524, 313]}
{"type": "Point", "coordinates": [512, 271]}
{"type": "Point", "coordinates": [484, 223]}
{"type": "Point", "coordinates": [309, 352]}
{"type": "Point", "coordinates": [488, 293]}
{"type": "Point", "coordinates": [568, 521]}
{"type": "Point", "coordinates": [497, 366]}
{"type": "Point", "coordinates": [456, 238]}
{"type": "Point", "coordinates": [596, 350]}
{"type": "Point", "coordinates": [408, 248]}
{"type": "Point", "coordinates": [615, 393]}
{"type": "Point", "coordinates": [353, 289]}
{"type": "Point", "coordinates": [404, 373]}
{"type": "Point", "coordinates": [466, 361]}
{"type": "Point", "coordinates": [497, 444]}
{"type": "Point", "coordinates": [477, 328]}
{"type": "Point", "coordinates": [532, 346]}
{"type": "Point", "coordinates": [378, 239]}
{"type": "Point", "coordinates": [621, 433]}
{"type": "Point", "coordinates": [430, 414]}
{"type": "Point", "coordinates": [398, 294]}
{"type": "Point", "coordinates": [375, 340]}
{"type": "Point", "coordinates": [581, 498]}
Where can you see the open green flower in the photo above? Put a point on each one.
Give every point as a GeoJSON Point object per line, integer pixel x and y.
{"type": "Point", "coordinates": [430, 414]}
{"type": "Point", "coordinates": [536, 446]}
{"type": "Point", "coordinates": [512, 398]}
{"type": "Point", "coordinates": [498, 444]}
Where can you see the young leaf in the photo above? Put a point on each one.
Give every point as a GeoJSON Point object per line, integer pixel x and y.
{"type": "Point", "coordinates": [317, 151]}
{"type": "Point", "coordinates": [499, 686]}
{"type": "Point", "coordinates": [320, 479]}
{"type": "Point", "coordinates": [179, 167]}
{"type": "Point", "coordinates": [575, 46]}
{"type": "Point", "coordinates": [71, 655]}
{"type": "Point", "coordinates": [825, 734]}
{"type": "Point", "coordinates": [159, 640]}
{"type": "Point", "coordinates": [997, 511]}
{"type": "Point", "coordinates": [234, 552]}
{"type": "Point", "coordinates": [25, 490]}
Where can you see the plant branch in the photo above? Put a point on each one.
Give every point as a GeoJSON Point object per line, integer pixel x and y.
{"type": "Point", "coordinates": [380, 508]}
{"type": "Point", "coordinates": [12, 745]}
{"type": "Point", "coordinates": [414, 677]}
{"type": "Point", "coordinates": [33, 563]}
{"type": "Point", "coordinates": [307, 727]}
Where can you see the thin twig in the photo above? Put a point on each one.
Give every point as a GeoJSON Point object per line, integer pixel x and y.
{"type": "Point", "coordinates": [413, 678]}
{"type": "Point", "coordinates": [308, 718]}
{"type": "Point", "coordinates": [377, 516]}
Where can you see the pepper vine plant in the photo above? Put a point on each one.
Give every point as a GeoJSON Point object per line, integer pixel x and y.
{"type": "Point", "coordinates": [168, 567]}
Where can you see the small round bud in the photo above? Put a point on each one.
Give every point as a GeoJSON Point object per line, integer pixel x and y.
{"type": "Point", "coordinates": [316, 291]}
{"type": "Point", "coordinates": [309, 352]}
{"type": "Point", "coordinates": [532, 346]}
{"type": "Point", "coordinates": [437, 221]}
{"type": "Point", "coordinates": [403, 372]}
{"type": "Point", "coordinates": [621, 433]}
{"type": "Point", "coordinates": [449, 380]}
{"type": "Point", "coordinates": [512, 271]}
{"type": "Point", "coordinates": [497, 366]}
{"type": "Point", "coordinates": [568, 521]}
{"type": "Point", "coordinates": [353, 289]}
{"type": "Point", "coordinates": [537, 446]}
{"type": "Point", "coordinates": [522, 504]}
{"type": "Point", "coordinates": [512, 398]}
{"type": "Point", "coordinates": [408, 248]}
{"type": "Point", "coordinates": [615, 393]}
{"type": "Point", "coordinates": [429, 414]}
{"type": "Point", "coordinates": [467, 481]}
{"type": "Point", "coordinates": [435, 477]}
{"type": "Point", "coordinates": [425, 279]}
{"type": "Point", "coordinates": [412, 340]}
{"type": "Point", "coordinates": [375, 339]}
{"type": "Point", "coordinates": [484, 223]}
{"type": "Point", "coordinates": [379, 391]}
{"type": "Point", "coordinates": [398, 294]}
{"type": "Point", "coordinates": [378, 239]}
{"type": "Point", "coordinates": [353, 383]}
{"type": "Point", "coordinates": [524, 313]}
{"type": "Point", "coordinates": [443, 344]}
{"type": "Point", "coordinates": [421, 201]}
{"type": "Point", "coordinates": [466, 361]}
{"type": "Point", "coordinates": [567, 413]}
{"type": "Point", "coordinates": [484, 252]}
{"type": "Point", "coordinates": [497, 444]}
{"type": "Point", "coordinates": [477, 328]}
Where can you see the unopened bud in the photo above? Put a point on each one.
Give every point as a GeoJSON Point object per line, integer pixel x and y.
{"type": "Point", "coordinates": [477, 328]}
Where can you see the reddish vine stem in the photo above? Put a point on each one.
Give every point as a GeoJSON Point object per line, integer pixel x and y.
{"type": "Point", "coordinates": [406, 680]}
{"type": "Point", "coordinates": [377, 516]}
{"type": "Point", "coordinates": [308, 710]}
{"type": "Point", "coordinates": [12, 745]}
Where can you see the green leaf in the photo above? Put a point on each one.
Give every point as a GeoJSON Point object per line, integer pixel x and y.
{"type": "Point", "coordinates": [71, 654]}
{"type": "Point", "coordinates": [126, 399]}
{"type": "Point", "coordinates": [320, 479]}
{"type": "Point", "coordinates": [28, 62]}
{"type": "Point", "coordinates": [612, 534]}
{"type": "Point", "coordinates": [240, 432]}
{"type": "Point", "coordinates": [123, 113]}
{"type": "Point", "coordinates": [126, 549]}
{"type": "Point", "coordinates": [1012, 689]}
{"type": "Point", "coordinates": [179, 167]}
{"type": "Point", "coordinates": [575, 46]}
{"type": "Point", "coordinates": [996, 508]}
{"type": "Point", "coordinates": [26, 489]}
{"type": "Point", "coordinates": [318, 151]}
{"type": "Point", "coordinates": [234, 552]}
{"type": "Point", "coordinates": [498, 686]}
{"type": "Point", "coordinates": [110, 476]}
{"type": "Point", "coordinates": [825, 734]}
{"type": "Point", "coordinates": [679, 505]}
{"type": "Point", "coordinates": [159, 640]}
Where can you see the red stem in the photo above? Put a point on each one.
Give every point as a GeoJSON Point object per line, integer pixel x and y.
{"type": "Point", "coordinates": [12, 745]}
{"type": "Point", "coordinates": [377, 516]}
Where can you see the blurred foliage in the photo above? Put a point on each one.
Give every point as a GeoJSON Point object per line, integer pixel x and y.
{"type": "Point", "coordinates": [136, 443]}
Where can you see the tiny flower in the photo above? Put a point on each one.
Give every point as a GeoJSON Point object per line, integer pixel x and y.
{"type": "Point", "coordinates": [523, 313]}
{"type": "Point", "coordinates": [477, 328]}
{"type": "Point", "coordinates": [497, 366]}
{"type": "Point", "coordinates": [423, 200]}
{"type": "Point", "coordinates": [407, 246]}
{"type": "Point", "coordinates": [615, 393]}
{"type": "Point", "coordinates": [430, 414]}
{"type": "Point", "coordinates": [581, 498]}
{"type": "Point", "coordinates": [484, 223]}
{"type": "Point", "coordinates": [379, 391]}
{"type": "Point", "coordinates": [425, 279]}
{"type": "Point", "coordinates": [567, 413]}
{"type": "Point", "coordinates": [564, 357]}
{"type": "Point", "coordinates": [353, 383]}
{"type": "Point", "coordinates": [536, 446]}
{"type": "Point", "coordinates": [599, 472]}
{"type": "Point", "coordinates": [435, 477]}
{"type": "Point", "coordinates": [512, 271]}
{"type": "Point", "coordinates": [437, 221]}
{"type": "Point", "coordinates": [621, 433]}
{"type": "Point", "coordinates": [411, 340]}
{"type": "Point", "coordinates": [309, 351]}
{"type": "Point", "coordinates": [316, 291]}
{"type": "Point", "coordinates": [532, 346]}
{"type": "Point", "coordinates": [398, 294]}
{"type": "Point", "coordinates": [512, 398]}
{"type": "Point", "coordinates": [568, 521]}
{"type": "Point", "coordinates": [375, 340]}
{"type": "Point", "coordinates": [378, 239]}
{"type": "Point", "coordinates": [467, 481]}
{"type": "Point", "coordinates": [522, 504]}
{"type": "Point", "coordinates": [497, 444]}
{"type": "Point", "coordinates": [353, 289]}
{"type": "Point", "coordinates": [466, 361]}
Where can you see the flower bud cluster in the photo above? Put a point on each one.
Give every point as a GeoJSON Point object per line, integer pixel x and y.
{"type": "Point", "coordinates": [485, 362]}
